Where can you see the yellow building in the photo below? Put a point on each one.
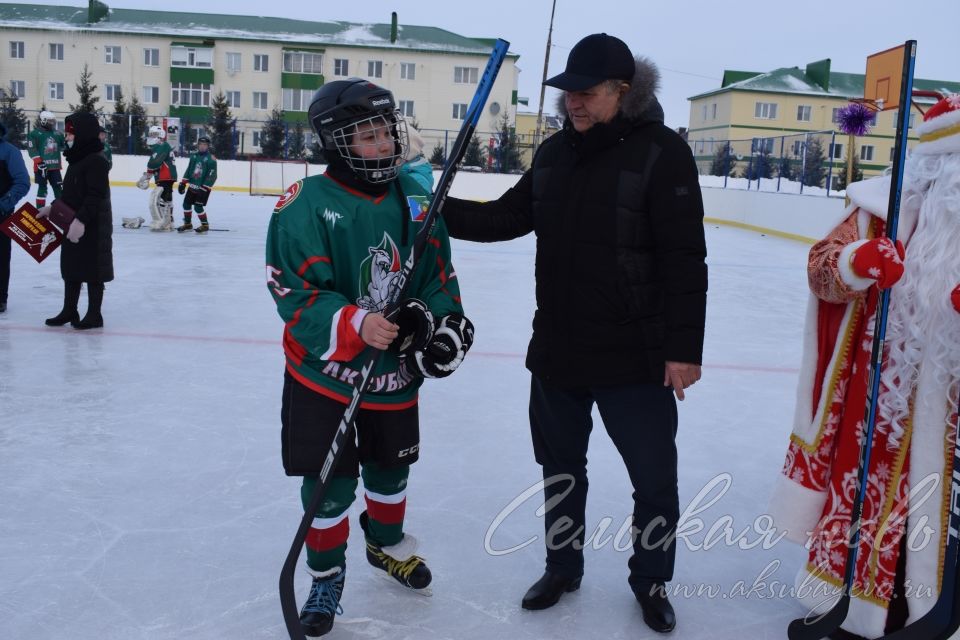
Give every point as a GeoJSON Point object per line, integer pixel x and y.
{"type": "Point", "coordinates": [779, 111]}
{"type": "Point", "coordinates": [527, 131]}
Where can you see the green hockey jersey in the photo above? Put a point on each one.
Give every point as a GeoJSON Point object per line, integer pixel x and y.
{"type": "Point", "coordinates": [46, 145]}
{"type": "Point", "coordinates": [202, 170]}
{"type": "Point", "coordinates": [162, 163]}
{"type": "Point", "coordinates": [333, 255]}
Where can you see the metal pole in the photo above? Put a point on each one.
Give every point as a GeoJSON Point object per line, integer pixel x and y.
{"type": "Point", "coordinates": [803, 161]}
{"type": "Point", "coordinates": [780, 166]}
{"type": "Point", "coordinates": [543, 87]}
{"type": "Point", "coordinates": [833, 149]}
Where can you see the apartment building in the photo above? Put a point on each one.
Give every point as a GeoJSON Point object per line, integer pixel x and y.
{"type": "Point", "coordinates": [175, 63]}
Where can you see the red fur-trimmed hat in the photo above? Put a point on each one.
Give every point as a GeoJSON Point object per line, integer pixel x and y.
{"type": "Point", "coordinates": [940, 131]}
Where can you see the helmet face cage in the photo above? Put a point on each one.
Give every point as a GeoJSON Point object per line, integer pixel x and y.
{"type": "Point", "coordinates": [155, 134]}
{"type": "Point", "coordinates": [47, 119]}
{"type": "Point", "coordinates": [374, 170]}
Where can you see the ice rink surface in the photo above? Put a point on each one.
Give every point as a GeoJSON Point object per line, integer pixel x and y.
{"type": "Point", "coordinates": [143, 495]}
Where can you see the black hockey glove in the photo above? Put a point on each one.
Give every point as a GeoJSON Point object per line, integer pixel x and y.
{"type": "Point", "coordinates": [182, 187]}
{"type": "Point", "coordinates": [451, 340]}
{"type": "Point", "coordinates": [416, 327]}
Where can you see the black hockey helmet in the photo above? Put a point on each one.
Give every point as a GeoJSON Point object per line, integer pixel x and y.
{"type": "Point", "coordinates": [203, 139]}
{"type": "Point", "coordinates": [339, 107]}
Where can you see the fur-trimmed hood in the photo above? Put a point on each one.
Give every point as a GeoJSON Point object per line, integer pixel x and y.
{"type": "Point", "coordinates": [640, 103]}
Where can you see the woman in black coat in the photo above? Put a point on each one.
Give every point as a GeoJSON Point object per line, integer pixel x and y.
{"type": "Point", "coordinates": [87, 256]}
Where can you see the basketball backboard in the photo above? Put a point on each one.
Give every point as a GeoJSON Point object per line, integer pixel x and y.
{"type": "Point", "coordinates": [883, 78]}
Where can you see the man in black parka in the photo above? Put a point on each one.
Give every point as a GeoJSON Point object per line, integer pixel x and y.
{"type": "Point", "coordinates": [87, 256]}
{"type": "Point", "coordinates": [621, 284]}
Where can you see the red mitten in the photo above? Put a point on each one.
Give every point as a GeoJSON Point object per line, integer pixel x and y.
{"type": "Point", "coordinates": [879, 260]}
{"type": "Point", "coordinates": [955, 298]}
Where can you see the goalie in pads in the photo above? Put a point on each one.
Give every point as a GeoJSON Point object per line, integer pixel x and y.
{"type": "Point", "coordinates": [162, 167]}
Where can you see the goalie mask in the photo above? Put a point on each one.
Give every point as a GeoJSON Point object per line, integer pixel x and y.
{"type": "Point", "coordinates": [155, 135]}
{"type": "Point", "coordinates": [352, 117]}
{"type": "Point", "coordinates": [47, 120]}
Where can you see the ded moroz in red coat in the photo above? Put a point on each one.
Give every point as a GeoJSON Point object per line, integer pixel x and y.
{"type": "Point", "coordinates": [912, 451]}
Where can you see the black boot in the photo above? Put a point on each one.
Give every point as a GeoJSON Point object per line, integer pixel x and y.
{"type": "Point", "coordinates": [546, 591]}
{"type": "Point", "coordinates": [93, 319]}
{"type": "Point", "coordinates": [71, 296]}
{"type": "Point", "coordinates": [657, 611]}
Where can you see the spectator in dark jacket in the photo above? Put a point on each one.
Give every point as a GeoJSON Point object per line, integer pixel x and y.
{"type": "Point", "coordinates": [621, 283]}
{"type": "Point", "coordinates": [14, 185]}
{"type": "Point", "coordinates": [88, 254]}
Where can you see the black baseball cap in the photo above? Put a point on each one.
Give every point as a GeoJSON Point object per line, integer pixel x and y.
{"type": "Point", "coordinates": [596, 58]}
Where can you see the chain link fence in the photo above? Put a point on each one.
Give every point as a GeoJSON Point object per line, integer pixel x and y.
{"type": "Point", "coordinates": [811, 162]}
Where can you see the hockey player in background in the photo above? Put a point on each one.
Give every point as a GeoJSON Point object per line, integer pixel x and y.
{"type": "Point", "coordinates": [197, 182]}
{"type": "Point", "coordinates": [163, 168]}
{"type": "Point", "coordinates": [904, 523]}
{"type": "Point", "coordinates": [335, 246]}
{"type": "Point", "coordinates": [44, 145]}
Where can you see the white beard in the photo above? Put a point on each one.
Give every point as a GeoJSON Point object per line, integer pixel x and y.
{"type": "Point", "coordinates": [922, 325]}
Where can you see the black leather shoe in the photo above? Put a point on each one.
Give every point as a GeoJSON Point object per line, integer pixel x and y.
{"type": "Point", "coordinates": [63, 318]}
{"type": "Point", "coordinates": [657, 611]}
{"type": "Point", "coordinates": [546, 591]}
{"type": "Point", "coordinates": [3, 307]}
{"type": "Point", "coordinates": [88, 322]}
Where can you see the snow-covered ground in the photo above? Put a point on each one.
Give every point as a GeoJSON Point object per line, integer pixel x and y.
{"type": "Point", "coordinates": [143, 495]}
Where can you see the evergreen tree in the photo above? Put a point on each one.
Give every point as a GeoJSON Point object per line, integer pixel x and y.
{"type": "Point", "coordinates": [508, 153]}
{"type": "Point", "coordinates": [857, 171]}
{"type": "Point", "coordinates": [724, 162]}
{"type": "Point", "coordinates": [315, 155]}
{"type": "Point", "coordinates": [119, 126]}
{"type": "Point", "coordinates": [88, 101]}
{"type": "Point", "coordinates": [814, 168]}
{"type": "Point", "coordinates": [437, 157]}
{"type": "Point", "coordinates": [760, 165]}
{"type": "Point", "coordinates": [137, 127]}
{"type": "Point", "coordinates": [475, 154]}
{"type": "Point", "coordinates": [296, 143]}
{"type": "Point", "coordinates": [272, 135]}
{"type": "Point", "coordinates": [221, 127]}
{"type": "Point", "coordinates": [788, 168]}
{"type": "Point", "coordinates": [13, 118]}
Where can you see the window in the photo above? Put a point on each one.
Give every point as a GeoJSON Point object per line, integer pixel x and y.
{"type": "Point", "coordinates": [56, 51]}
{"type": "Point", "coordinates": [111, 54]}
{"type": "Point", "coordinates": [374, 68]}
{"type": "Point", "coordinates": [465, 75]}
{"type": "Point", "coordinates": [408, 71]}
{"type": "Point", "coordinates": [704, 112]}
{"type": "Point", "coordinates": [151, 95]}
{"type": "Point", "coordinates": [112, 92]}
{"type": "Point", "coordinates": [233, 99]}
{"type": "Point", "coordinates": [459, 111]}
{"type": "Point", "coordinates": [341, 67]}
{"type": "Point", "coordinates": [151, 57]}
{"type": "Point", "coordinates": [836, 151]}
{"type": "Point", "coordinates": [406, 108]}
{"type": "Point", "coordinates": [18, 88]}
{"type": "Point", "coordinates": [835, 118]}
{"type": "Point", "coordinates": [713, 111]}
{"type": "Point", "coordinates": [803, 112]}
{"type": "Point", "coordinates": [896, 114]}
{"type": "Point", "coordinates": [198, 57]}
{"type": "Point", "coordinates": [190, 94]}
{"type": "Point", "coordinates": [761, 145]}
{"type": "Point", "coordinates": [16, 49]}
{"type": "Point", "coordinates": [765, 110]}
{"type": "Point", "coordinates": [256, 138]}
{"type": "Point", "coordinates": [866, 152]}
{"type": "Point", "coordinates": [797, 147]}
{"type": "Point", "coordinates": [261, 62]}
{"type": "Point", "coordinates": [260, 100]}
{"type": "Point", "coordinates": [296, 99]}
{"type": "Point", "coordinates": [300, 62]}
{"type": "Point", "coordinates": [233, 62]}
{"type": "Point", "coordinates": [55, 91]}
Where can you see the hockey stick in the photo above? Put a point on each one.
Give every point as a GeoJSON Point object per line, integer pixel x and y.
{"type": "Point", "coordinates": [811, 626]}
{"type": "Point", "coordinates": [288, 601]}
{"type": "Point", "coordinates": [944, 618]}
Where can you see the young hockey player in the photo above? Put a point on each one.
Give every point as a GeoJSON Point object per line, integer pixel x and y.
{"type": "Point", "coordinates": [197, 182]}
{"type": "Point", "coordinates": [335, 246]}
{"type": "Point", "coordinates": [163, 168]}
{"type": "Point", "coordinates": [44, 145]}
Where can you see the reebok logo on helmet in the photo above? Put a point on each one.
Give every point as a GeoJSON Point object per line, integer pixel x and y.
{"type": "Point", "coordinates": [379, 102]}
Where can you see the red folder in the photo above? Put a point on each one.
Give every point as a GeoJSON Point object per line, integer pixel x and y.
{"type": "Point", "coordinates": [37, 236]}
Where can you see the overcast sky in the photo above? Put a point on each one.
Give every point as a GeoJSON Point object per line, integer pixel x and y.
{"type": "Point", "coordinates": [691, 42]}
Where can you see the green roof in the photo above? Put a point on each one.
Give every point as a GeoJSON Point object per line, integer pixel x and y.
{"type": "Point", "coordinates": [797, 81]}
{"type": "Point", "coordinates": [229, 27]}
